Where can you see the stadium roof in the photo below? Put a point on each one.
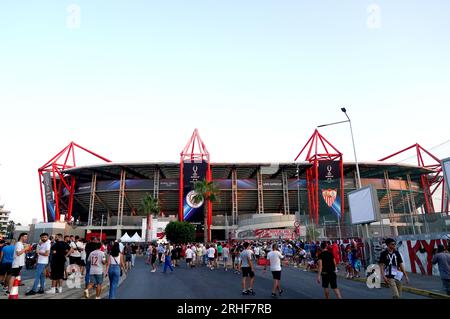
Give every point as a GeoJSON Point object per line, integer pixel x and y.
{"type": "Point", "coordinates": [145, 170]}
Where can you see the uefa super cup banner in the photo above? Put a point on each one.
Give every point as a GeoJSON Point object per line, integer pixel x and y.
{"type": "Point", "coordinates": [192, 173]}
{"type": "Point", "coordinates": [329, 186]}
{"type": "Point", "coordinates": [50, 203]}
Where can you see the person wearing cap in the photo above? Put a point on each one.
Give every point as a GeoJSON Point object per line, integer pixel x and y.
{"type": "Point", "coordinates": [392, 268]}
{"type": "Point", "coordinates": [442, 258]}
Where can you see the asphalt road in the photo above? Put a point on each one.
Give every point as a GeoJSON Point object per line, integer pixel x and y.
{"type": "Point", "coordinates": [202, 283]}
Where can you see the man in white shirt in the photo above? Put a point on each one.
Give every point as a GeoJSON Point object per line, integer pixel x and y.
{"type": "Point", "coordinates": [211, 253]}
{"type": "Point", "coordinates": [77, 247]}
{"type": "Point", "coordinates": [19, 258]}
{"type": "Point", "coordinates": [43, 251]}
{"type": "Point", "coordinates": [275, 258]}
{"type": "Point", "coordinates": [121, 246]}
{"type": "Point", "coordinates": [96, 259]}
{"type": "Point", "coordinates": [189, 255]}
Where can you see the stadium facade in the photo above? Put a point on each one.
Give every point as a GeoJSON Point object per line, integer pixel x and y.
{"type": "Point", "coordinates": [253, 196]}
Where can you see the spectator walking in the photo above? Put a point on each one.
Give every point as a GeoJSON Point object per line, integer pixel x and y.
{"type": "Point", "coordinates": [248, 270]}
{"type": "Point", "coordinates": [89, 248]}
{"type": "Point", "coordinates": [167, 260]}
{"type": "Point", "coordinates": [128, 256]}
{"type": "Point", "coordinates": [442, 258]}
{"type": "Point", "coordinates": [211, 256]}
{"type": "Point", "coordinates": [133, 254]}
{"type": "Point", "coordinates": [225, 256]}
{"type": "Point", "coordinates": [97, 259]}
{"type": "Point", "coordinates": [392, 268]}
{"type": "Point", "coordinates": [326, 272]}
{"type": "Point", "coordinates": [275, 257]}
{"type": "Point", "coordinates": [115, 265]}
{"type": "Point", "coordinates": [189, 255]}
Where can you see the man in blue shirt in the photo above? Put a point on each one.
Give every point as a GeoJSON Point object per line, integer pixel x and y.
{"type": "Point", "coordinates": [7, 258]}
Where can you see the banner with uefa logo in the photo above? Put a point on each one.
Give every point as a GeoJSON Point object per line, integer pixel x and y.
{"type": "Point", "coordinates": [193, 172]}
{"type": "Point", "coordinates": [330, 187]}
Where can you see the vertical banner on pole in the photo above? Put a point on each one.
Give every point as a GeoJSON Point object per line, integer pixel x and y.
{"type": "Point", "coordinates": [49, 201]}
{"type": "Point", "coordinates": [330, 186]}
{"type": "Point", "coordinates": [192, 173]}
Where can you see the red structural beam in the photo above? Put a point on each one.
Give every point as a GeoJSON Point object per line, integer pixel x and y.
{"type": "Point", "coordinates": [428, 181]}
{"type": "Point", "coordinates": [195, 149]}
{"type": "Point", "coordinates": [63, 160]}
{"type": "Point", "coordinates": [318, 150]}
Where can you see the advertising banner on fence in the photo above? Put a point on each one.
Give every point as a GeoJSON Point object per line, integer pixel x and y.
{"type": "Point", "coordinates": [330, 187]}
{"type": "Point", "coordinates": [192, 173]}
{"type": "Point", "coordinates": [274, 234]}
{"type": "Point", "coordinates": [50, 202]}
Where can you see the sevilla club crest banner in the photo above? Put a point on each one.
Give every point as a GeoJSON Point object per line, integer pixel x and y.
{"type": "Point", "coordinates": [329, 186]}
{"type": "Point", "coordinates": [193, 172]}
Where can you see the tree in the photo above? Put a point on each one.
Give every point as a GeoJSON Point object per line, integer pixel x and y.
{"type": "Point", "coordinates": [180, 232]}
{"type": "Point", "coordinates": [312, 233]}
{"type": "Point", "coordinates": [149, 205]}
{"type": "Point", "coordinates": [10, 229]}
{"type": "Point", "coordinates": [209, 192]}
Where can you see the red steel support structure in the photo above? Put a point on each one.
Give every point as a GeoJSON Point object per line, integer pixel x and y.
{"type": "Point", "coordinates": [65, 159]}
{"type": "Point", "coordinates": [195, 150]}
{"type": "Point", "coordinates": [315, 155]}
{"type": "Point", "coordinates": [430, 183]}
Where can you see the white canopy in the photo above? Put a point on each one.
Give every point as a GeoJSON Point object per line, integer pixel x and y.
{"type": "Point", "coordinates": [126, 238]}
{"type": "Point", "coordinates": [136, 238]}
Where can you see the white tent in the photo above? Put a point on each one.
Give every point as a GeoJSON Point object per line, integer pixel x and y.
{"type": "Point", "coordinates": [125, 238]}
{"type": "Point", "coordinates": [136, 238]}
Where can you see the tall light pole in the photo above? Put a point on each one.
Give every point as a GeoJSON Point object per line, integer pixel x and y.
{"type": "Point", "coordinates": [354, 148]}
{"type": "Point", "coordinates": [358, 176]}
{"type": "Point", "coordinates": [366, 226]}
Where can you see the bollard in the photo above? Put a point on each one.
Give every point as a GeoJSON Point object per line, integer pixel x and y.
{"type": "Point", "coordinates": [14, 293]}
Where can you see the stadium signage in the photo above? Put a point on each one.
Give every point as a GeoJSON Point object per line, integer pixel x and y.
{"type": "Point", "coordinates": [51, 217]}
{"type": "Point", "coordinates": [193, 172]}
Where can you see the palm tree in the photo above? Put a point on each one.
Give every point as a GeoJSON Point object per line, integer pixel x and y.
{"type": "Point", "coordinates": [149, 205]}
{"type": "Point", "coordinates": [209, 192]}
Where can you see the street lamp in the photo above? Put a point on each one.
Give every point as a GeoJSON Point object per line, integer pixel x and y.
{"type": "Point", "coordinates": [354, 148]}
{"type": "Point", "coordinates": [344, 110]}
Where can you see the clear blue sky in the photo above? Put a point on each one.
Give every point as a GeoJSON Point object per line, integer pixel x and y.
{"type": "Point", "coordinates": [255, 77]}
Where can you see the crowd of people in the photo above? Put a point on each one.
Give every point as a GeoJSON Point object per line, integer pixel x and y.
{"type": "Point", "coordinates": [97, 260]}
{"type": "Point", "coordinates": [242, 256]}
{"type": "Point", "coordinates": [93, 259]}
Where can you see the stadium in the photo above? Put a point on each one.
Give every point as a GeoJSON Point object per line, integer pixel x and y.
{"type": "Point", "coordinates": [276, 197]}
